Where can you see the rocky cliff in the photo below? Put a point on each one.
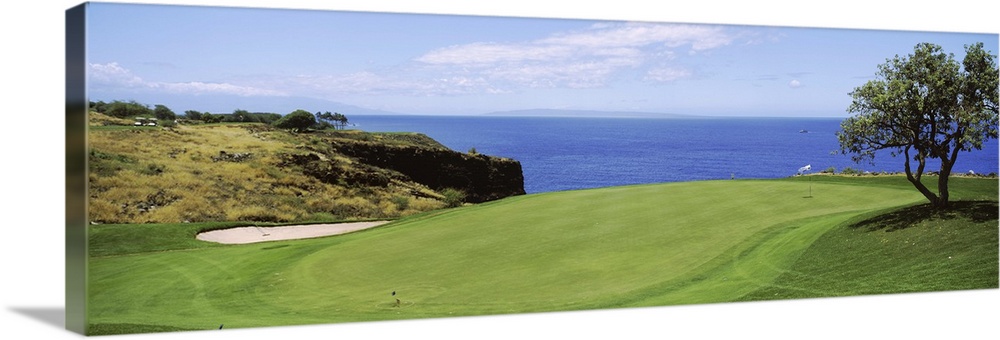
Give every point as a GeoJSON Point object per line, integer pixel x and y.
{"type": "Point", "coordinates": [481, 177]}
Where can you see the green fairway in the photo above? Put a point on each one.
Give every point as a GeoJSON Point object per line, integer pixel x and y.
{"type": "Point", "coordinates": [662, 244]}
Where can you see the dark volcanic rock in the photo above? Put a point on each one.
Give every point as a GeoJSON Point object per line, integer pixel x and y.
{"type": "Point", "coordinates": [482, 178]}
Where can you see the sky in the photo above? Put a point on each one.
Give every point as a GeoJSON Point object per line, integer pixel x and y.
{"type": "Point", "coordinates": [219, 59]}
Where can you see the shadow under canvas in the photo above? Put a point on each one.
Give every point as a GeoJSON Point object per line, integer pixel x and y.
{"type": "Point", "coordinates": [53, 316]}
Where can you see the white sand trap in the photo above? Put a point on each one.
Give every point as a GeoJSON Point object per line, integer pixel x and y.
{"type": "Point", "coordinates": [243, 235]}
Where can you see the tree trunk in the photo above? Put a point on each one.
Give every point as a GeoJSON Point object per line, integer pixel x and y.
{"type": "Point", "coordinates": [946, 167]}
{"type": "Point", "coordinates": [942, 201]}
{"type": "Point", "coordinates": [915, 179]}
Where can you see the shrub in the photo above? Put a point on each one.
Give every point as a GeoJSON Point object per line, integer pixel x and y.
{"type": "Point", "coordinates": [453, 197]}
{"type": "Point", "coordinates": [850, 171]}
{"type": "Point", "coordinates": [402, 202]}
{"type": "Point", "coordinates": [211, 118]}
{"type": "Point", "coordinates": [299, 120]}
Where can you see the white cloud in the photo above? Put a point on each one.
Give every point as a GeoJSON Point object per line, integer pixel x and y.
{"type": "Point", "coordinates": [113, 74]}
{"type": "Point", "coordinates": [585, 58]}
{"type": "Point", "coordinates": [795, 83]}
{"type": "Point", "coordinates": [641, 34]}
{"type": "Point", "coordinates": [115, 77]}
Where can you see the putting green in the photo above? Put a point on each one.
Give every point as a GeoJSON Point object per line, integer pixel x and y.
{"type": "Point", "coordinates": [663, 244]}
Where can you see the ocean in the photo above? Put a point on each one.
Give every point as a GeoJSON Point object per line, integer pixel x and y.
{"type": "Point", "coordinates": [568, 153]}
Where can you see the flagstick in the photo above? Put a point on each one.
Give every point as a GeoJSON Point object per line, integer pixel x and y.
{"type": "Point", "coordinates": [802, 172]}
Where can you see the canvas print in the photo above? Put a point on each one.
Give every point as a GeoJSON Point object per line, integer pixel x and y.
{"type": "Point", "coordinates": [249, 167]}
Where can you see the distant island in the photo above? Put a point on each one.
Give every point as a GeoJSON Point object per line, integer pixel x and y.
{"type": "Point", "coordinates": [585, 114]}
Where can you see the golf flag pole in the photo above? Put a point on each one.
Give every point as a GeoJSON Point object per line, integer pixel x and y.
{"type": "Point", "coordinates": [802, 171]}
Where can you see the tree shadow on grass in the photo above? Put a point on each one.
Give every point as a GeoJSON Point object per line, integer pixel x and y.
{"type": "Point", "coordinates": [976, 211]}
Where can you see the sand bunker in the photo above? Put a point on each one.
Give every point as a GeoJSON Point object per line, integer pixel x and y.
{"type": "Point", "coordinates": [243, 235]}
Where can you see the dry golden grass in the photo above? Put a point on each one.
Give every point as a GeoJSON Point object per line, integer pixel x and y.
{"type": "Point", "coordinates": [223, 172]}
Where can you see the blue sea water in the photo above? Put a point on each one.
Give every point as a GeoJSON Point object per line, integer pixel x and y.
{"type": "Point", "coordinates": [563, 153]}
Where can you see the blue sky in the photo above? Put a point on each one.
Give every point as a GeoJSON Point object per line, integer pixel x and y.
{"type": "Point", "coordinates": [219, 59]}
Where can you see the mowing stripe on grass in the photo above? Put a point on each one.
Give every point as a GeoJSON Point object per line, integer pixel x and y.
{"type": "Point", "coordinates": [744, 268]}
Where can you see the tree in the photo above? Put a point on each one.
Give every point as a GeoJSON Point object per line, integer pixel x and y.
{"type": "Point", "coordinates": [128, 109]}
{"type": "Point", "coordinates": [240, 115]}
{"type": "Point", "coordinates": [338, 120]}
{"type": "Point", "coordinates": [164, 113]}
{"type": "Point", "coordinates": [299, 120]}
{"type": "Point", "coordinates": [99, 106]}
{"type": "Point", "coordinates": [192, 115]}
{"type": "Point", "coordinates": [341, 119]}
{"type": "Point", "coordinates": [925, 106]}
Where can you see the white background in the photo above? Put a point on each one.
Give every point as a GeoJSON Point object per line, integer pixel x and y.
{"type": "Point", "coordinates": [33, 170]}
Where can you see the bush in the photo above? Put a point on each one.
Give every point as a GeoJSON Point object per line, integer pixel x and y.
{"type": "Point", "coordinates": [402, 202]}
{"type": "Point", "coordinates": [850, 171]}
{"type": "Point", "coordinates": [299, 120]}
{"type": "Point", "coordinates": [211, 118]}
{"type": "Point", "coordinates": [453, 197]}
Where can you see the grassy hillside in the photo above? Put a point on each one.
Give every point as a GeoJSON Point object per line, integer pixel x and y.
{"type": "Point", "coordinates": [908, 249]}
{"type": "Point", "coordinates": [241, 172]}
{"type": "Point", "coordinates": [664, 244]}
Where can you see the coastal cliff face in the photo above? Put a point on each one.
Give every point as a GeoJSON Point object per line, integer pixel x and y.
{"type": "Point", "coordinates": [482, 178]}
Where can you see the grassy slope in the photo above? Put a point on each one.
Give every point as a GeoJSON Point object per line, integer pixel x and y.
{"type": "Point", "coordinates": [178, 170]}
{"type": "Point", "coordinates": [661, 244]}
{"type": "Point", "coordinates": [901, 250]}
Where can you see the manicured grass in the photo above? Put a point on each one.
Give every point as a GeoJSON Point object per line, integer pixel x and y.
{"type": "Point", "coordinates": [121, 239]}
{"type": "Point", "coordinates": [906, 250]}
{"type": "Point", "coordinates": [664, 244]}
{"type": "Point", "coordinates": [125, 239]}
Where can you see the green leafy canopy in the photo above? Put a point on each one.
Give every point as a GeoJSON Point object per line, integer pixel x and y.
{"type": "Point", "coordinates": [924, 106]}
